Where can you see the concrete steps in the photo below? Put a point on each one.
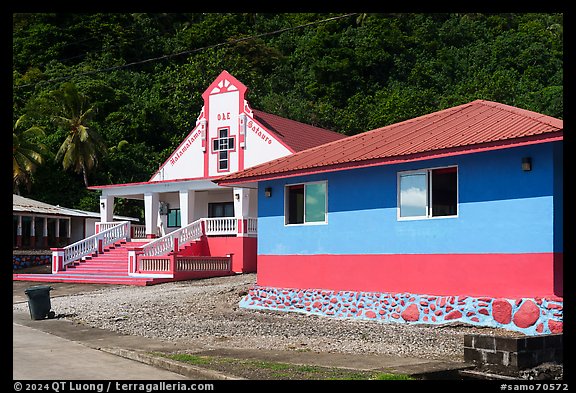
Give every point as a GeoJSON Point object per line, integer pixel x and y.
{"type": "Point", "coordinates": [110, 267]}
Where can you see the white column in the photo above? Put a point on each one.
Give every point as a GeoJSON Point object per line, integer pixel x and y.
{"type": "Point", "coordinates": [45, 232]}
{"type": "Point", "coordinates": [57, 230]}
{"type": "Point", "coordinates": [151, 205]}
{"type": "Point", "coordinates": [19, 232]}
{"type": "Point", "coordinates": [19, 226]}
{"type": "Point", "coordinates": [33, 232]}
{"type": "Point", "coordinates": [241, 209]}
{"type": "Point", "coordinates": [241, 202]}
{"type": "Point", "coordinates": [187, 201]}
{"type": "Point", "coordinates": [253, 205]}
{"type": "Point", "coordinates": [106, 208]}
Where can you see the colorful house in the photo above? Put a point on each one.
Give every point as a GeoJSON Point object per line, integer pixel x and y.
{"type": "Point", "coordinates": [455, 216]}
{"type": "Point", "coordinates": [193, 227]}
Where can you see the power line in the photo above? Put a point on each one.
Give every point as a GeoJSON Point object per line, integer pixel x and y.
{"type": "Point", "coordinates": [163, 57]}
{"type": "Point", "coordinates": [153, 18]}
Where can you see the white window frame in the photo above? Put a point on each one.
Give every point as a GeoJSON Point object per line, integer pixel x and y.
{"type": "Point", "coordinates": [286, 202]}
{"type": "Point", "coordinates": [428, 215]}
{"type": "Point", "coordinates": [219, 141]}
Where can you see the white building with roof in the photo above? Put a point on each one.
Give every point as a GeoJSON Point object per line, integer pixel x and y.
{"type": "Point", "coordinates": [39, 225]}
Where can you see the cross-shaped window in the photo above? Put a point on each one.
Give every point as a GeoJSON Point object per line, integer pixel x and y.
{"type": "Point", "coordinates": [223, 145]}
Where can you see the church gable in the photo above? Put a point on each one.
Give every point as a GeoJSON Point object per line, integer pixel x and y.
{"type": "Point", "coordinates": [227, 137]}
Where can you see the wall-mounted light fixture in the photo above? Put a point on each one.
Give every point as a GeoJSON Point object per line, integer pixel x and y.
{"type": "Point", "coordinates": [102, 204]}
{"type": "Point", "coordinates": [268, 192]}
{"type": "Point", "coordinates": [237, 196]}
{"type": "Point", "coordinates": [526, 164]}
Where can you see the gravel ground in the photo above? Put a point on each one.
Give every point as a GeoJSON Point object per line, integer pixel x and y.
{"type": "Point", "coordinates": [205, 314]}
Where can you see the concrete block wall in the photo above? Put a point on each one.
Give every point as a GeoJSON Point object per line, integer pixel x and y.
{"type": "Point", "coordinates": [514, 352]}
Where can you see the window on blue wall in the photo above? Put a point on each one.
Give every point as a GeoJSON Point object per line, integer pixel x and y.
{"type": "Point", "coordinates": [173, 218]}
{"type": "Point", "coordinates": [428, 193]}
{"type": "Point", "coordinates": [305, 203]}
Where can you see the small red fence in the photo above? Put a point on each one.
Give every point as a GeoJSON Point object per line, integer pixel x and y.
{"type": "Point", "coordinates": [183, 266]}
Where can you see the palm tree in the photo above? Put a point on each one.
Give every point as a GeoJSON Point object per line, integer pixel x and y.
{"type": "Point", "coordinates": [27, 152]}
{"type": "Point", "coordinates": [83, 146]}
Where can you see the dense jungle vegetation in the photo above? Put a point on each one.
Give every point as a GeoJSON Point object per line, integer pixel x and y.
{"type": "Point", "coordinates": [104, 98]}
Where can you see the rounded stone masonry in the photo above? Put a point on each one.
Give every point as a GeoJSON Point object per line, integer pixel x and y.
{"type": "Point", "coordinates": [531, 316]}
{"type": "Point", "coordinates": [22, 261]}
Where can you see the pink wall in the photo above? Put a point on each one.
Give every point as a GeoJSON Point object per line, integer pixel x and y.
{"type": "Point", "coordinates": [493, 275]}
{"type": "Point", "coordinates": [243, 248]}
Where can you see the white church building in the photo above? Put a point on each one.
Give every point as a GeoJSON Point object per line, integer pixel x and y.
{"type": "Point", "coordinates": [194, 227]}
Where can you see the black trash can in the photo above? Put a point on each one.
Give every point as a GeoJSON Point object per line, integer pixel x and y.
{"type": "Point", "coordinates": [39, 301]}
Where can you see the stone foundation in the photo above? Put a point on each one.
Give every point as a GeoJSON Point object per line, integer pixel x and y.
{"type": "Point", "coordinates": [531, 316]}
{"type": "Point", "coordinates": [24, 261]}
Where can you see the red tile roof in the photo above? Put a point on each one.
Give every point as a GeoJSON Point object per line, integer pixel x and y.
{"type": "Point", "coordinates": [298, 136]}
{"type": "Point", "coordinates": [471, 127]}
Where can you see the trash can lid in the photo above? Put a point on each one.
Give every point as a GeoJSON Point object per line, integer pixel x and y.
{"type": "Point", "coordinates": [38, 288]}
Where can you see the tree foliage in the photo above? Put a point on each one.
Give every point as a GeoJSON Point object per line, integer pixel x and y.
{"type": "Point", "coordinates": [27, 154]}
{"type": "Point", "coordinates": [83, 146]}
{"type": "Point", "coordinates": [145, 74]}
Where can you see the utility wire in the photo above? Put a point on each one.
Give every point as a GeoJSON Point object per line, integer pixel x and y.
{"type": "Point", "coordinates": [154, 18]}
{"type": "Point", "coordinates": [153, 59]}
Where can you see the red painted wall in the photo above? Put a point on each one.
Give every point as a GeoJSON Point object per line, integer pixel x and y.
{"type": "Point", "coordinates": [243, 248]}
{"type": "Point", "coordinates": [493, 275]}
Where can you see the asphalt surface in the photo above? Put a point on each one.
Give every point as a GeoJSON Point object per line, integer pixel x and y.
{"type": "Point", "coordinates": [58, 349]}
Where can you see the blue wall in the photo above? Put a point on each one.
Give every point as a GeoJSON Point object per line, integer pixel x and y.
{"type": "Point", "coordinates": [501, 209]}
{"type": "Point", "coordinates": [558, 196]}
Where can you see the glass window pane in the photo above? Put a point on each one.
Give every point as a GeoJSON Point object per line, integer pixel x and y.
{"type": "Point", "coordinates": [444, 192]}
{"type": "Point", "coordinates": [315, 196]}
{"type": "Point", "coordinates": [295, 206]}
{"type": "Point", "coordinates": [413, 196]}
{"type": "Point", "coordinates": [174, 218]}
{"type": "Point", "coordinates": [229, 209]}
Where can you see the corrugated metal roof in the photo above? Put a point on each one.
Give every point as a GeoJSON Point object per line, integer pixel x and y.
{"type": "Point", "coordinates": [469, 127]}
{"type": "Point", "coordinates": [27, 205]}
{"type": "Point", "coordinates": [298, 136]}
{"type": "Point", "coordinates": [21, 204]}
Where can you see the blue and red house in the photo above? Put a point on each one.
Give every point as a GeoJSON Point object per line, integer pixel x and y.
{"type": "Point", "coordinates": [452, 216]}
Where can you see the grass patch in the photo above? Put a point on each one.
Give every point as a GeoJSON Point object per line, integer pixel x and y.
{"type": "Point", "coordinates": [267, 365]}
{"type": "Point", "coordinates": [269, 370]}
{"type": "Point", "coordinates": [308, 369]}
{"type": "Point", "coordinates": [190, 359]}
{"type": "Point", "coordinates": [390, 377]}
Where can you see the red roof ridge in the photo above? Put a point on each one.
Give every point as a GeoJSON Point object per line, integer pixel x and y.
{"type": "Point", "coordinates": [477, 125]}
{"type": "Point", "coordinates": [542, 118]}
{"type": "Point", "coordinates": [256, 111]}
{"type": "Point", "coordinates": [297, 135]}
{"type": "Point", "coordinates": [374, 131]}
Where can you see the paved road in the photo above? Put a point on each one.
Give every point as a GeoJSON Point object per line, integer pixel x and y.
{"type": "Point", "coordinates": [37, 355]}
{"type": "Point", "coordinates": [41, 355]}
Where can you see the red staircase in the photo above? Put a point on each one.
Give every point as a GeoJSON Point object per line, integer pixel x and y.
{"type": "Point", "coordinates": [110, 267]}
